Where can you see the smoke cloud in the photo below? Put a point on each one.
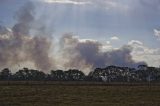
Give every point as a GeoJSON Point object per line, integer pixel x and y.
{"type": "Point", "coordinates": [18, 46]}
{"type": "Point", "coordinates": [89, 53]}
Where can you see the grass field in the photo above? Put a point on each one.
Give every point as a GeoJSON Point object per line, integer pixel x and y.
{"type": "Point", "coordinates": [78, 95]}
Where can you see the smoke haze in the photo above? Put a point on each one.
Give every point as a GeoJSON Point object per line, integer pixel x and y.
{"type": "Point", "coordinates": [88, 53]}
{"type": "Point", "coordinates": [18, 45]}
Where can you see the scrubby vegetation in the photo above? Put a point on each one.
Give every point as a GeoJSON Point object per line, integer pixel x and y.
{"type": "Point", "coordinates": [109, 74]}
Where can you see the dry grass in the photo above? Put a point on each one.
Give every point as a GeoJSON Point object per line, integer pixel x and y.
{"type": "Point", "coordinates": [68, 95]}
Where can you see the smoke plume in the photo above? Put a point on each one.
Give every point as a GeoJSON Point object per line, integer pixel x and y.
{"type": "Point", "coordinates": [89, 53]}
{"type": "Point", "coordinates": [18, 46]}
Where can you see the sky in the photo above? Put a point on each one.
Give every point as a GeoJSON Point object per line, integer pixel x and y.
{"type": "Point", "coordinates": [114, 23]}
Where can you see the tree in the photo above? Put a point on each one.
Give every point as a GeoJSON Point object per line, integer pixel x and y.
{"type": "Point", "coordinates": [96, 74]}
{"type": "Point", "coordinates": [57, 75]}
{"type": "Point", "coordinates": [21, 74]}
{"type": "Point", "coordinates": [5, 74]}
{"type": "Point", "coordinates": [29, 74]}
{"type": "Point", "coordinates": [74, 75]}
{"type": "Point", "coordinates": [142, 67]}
{"type": "Point", "coordinates": [36, 75]}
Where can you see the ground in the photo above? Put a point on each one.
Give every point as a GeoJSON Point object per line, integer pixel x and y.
{"type": "Point", "coordinates": [78, 95]}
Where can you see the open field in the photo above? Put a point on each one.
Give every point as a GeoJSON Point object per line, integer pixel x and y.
{"type": "Point", "coordinates": [78, 95]}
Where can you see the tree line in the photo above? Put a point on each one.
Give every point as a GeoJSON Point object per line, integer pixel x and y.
{"type": "Point", "coordinates": [142, 73]}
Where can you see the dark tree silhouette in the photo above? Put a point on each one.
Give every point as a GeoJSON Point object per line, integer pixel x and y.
{"type": "Point", "coordinates": [5, 74]}
{"type": "Point", "coordinates": [74, 75]}
{"type": "Point", "coordinates": [57, 75]}
{"type": "Point", "coordinates": [109, 74]}
{"type": "Point", "coordinates": [27, 74]}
